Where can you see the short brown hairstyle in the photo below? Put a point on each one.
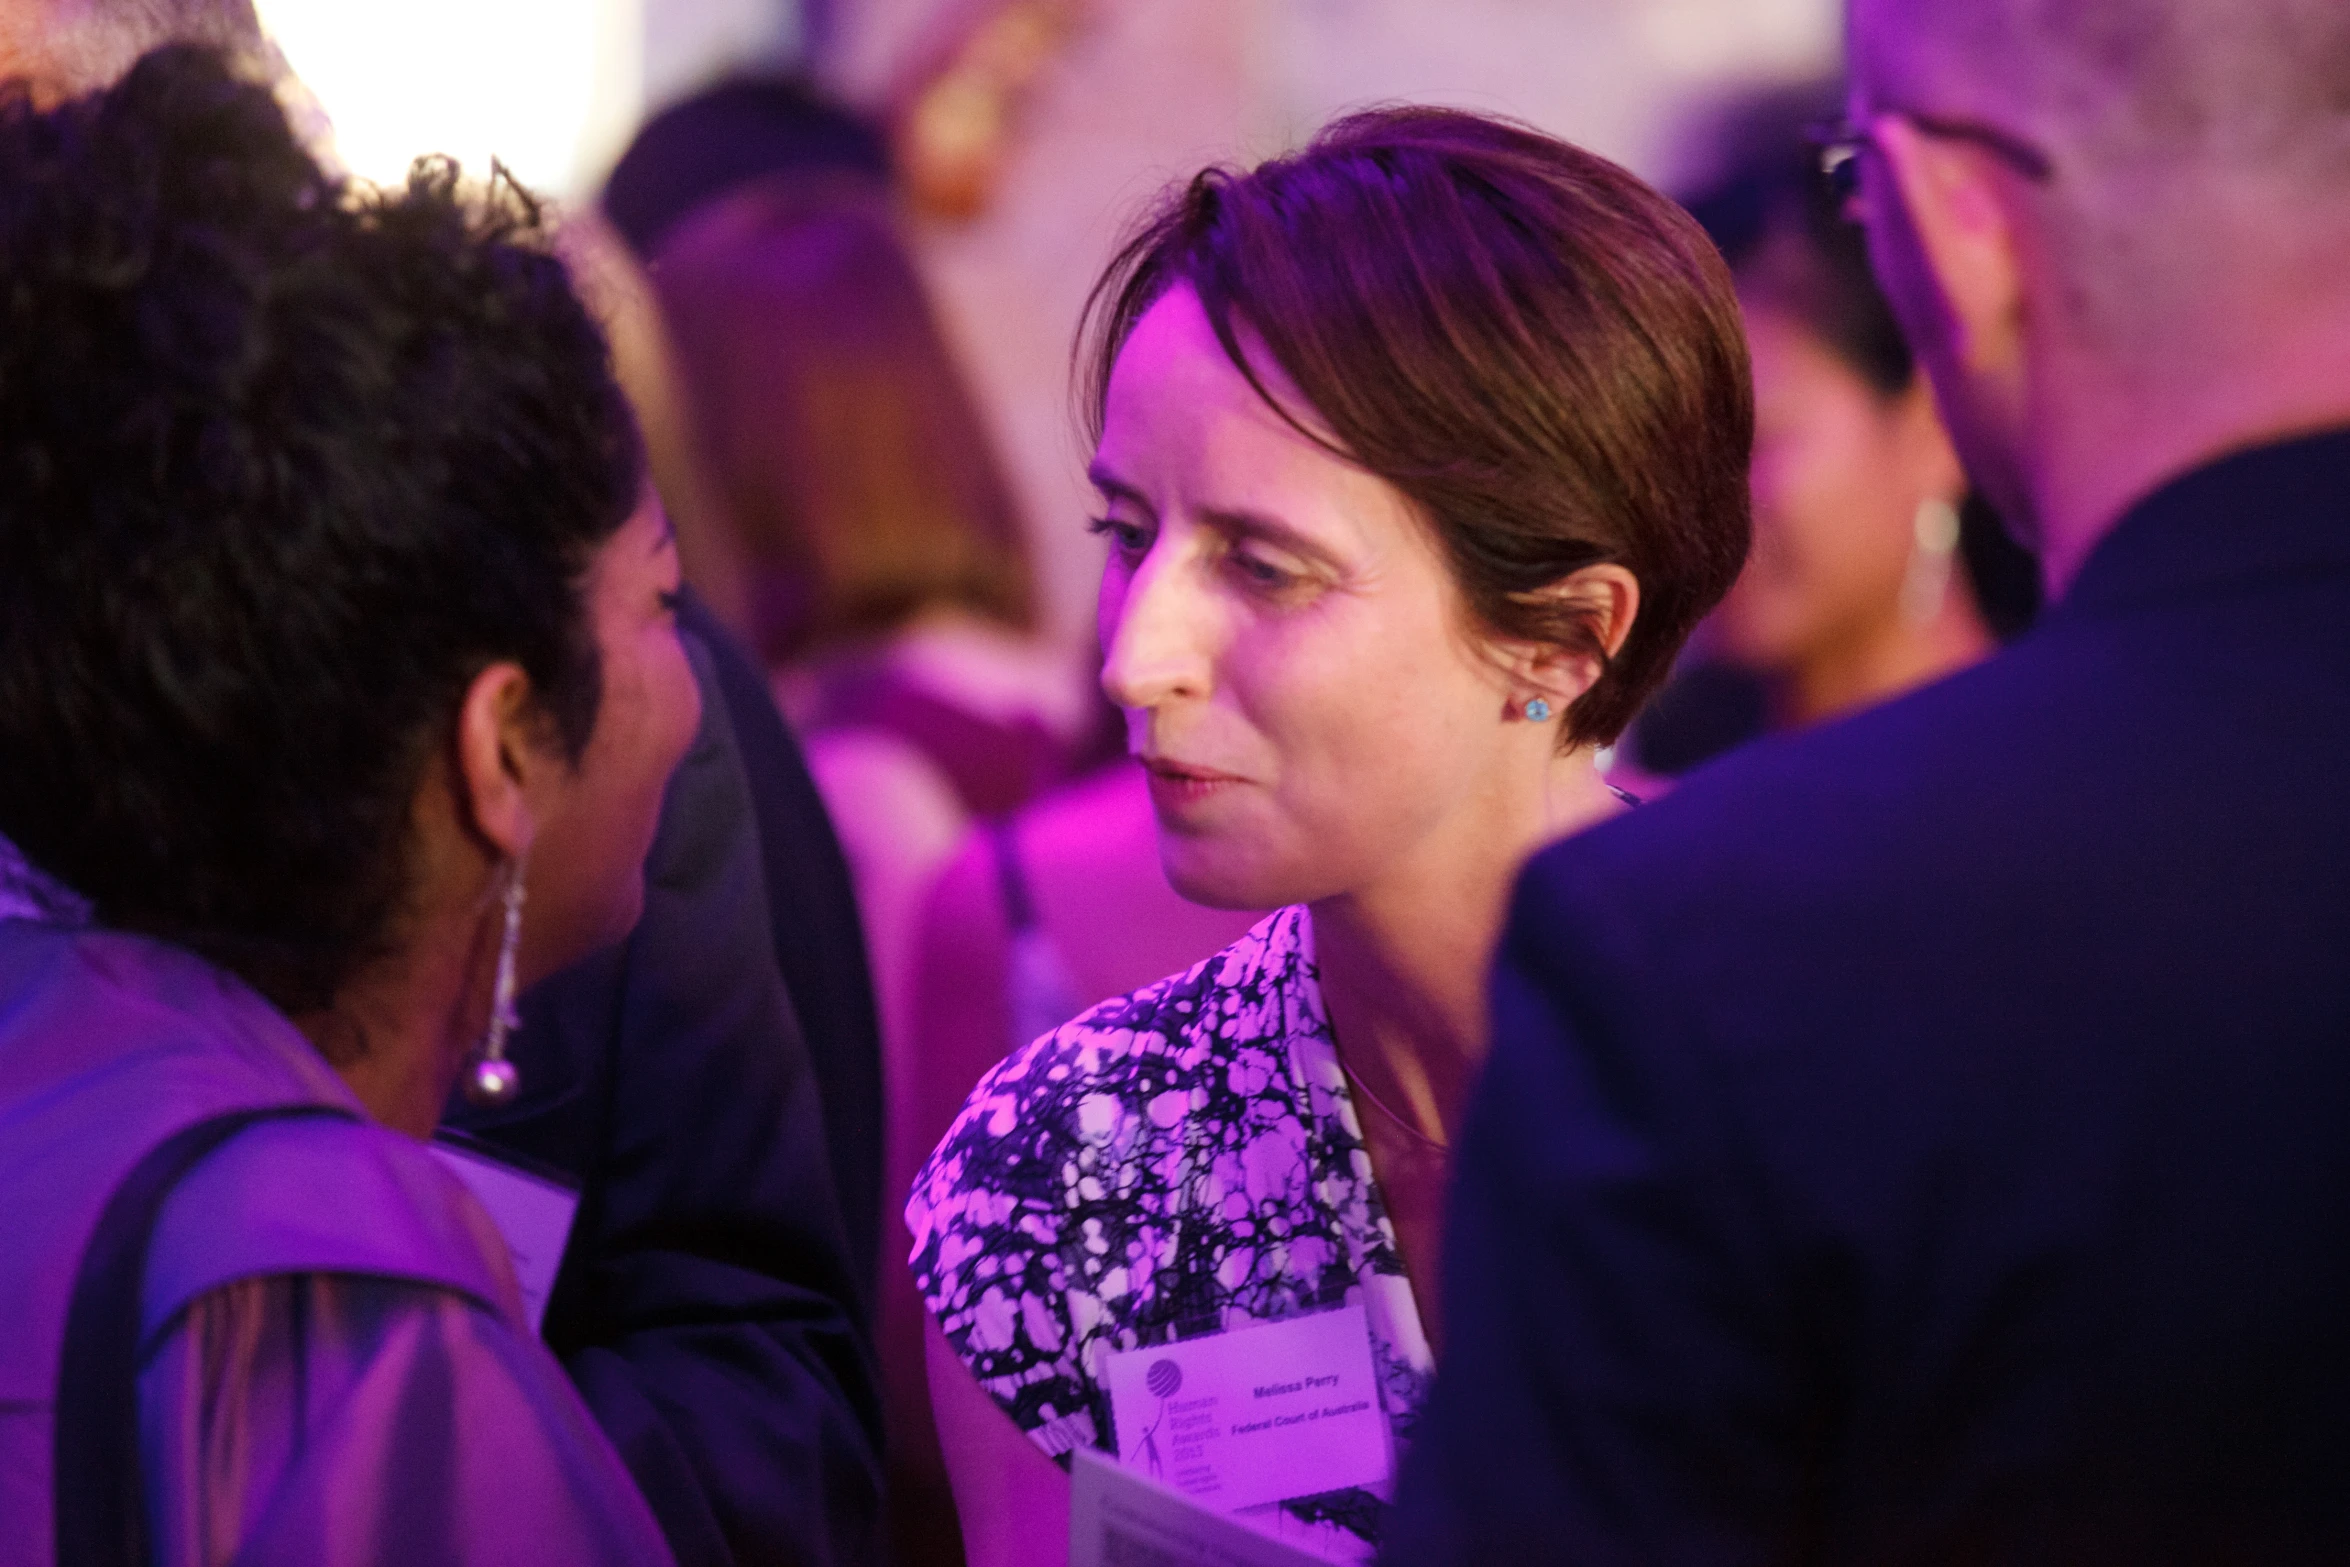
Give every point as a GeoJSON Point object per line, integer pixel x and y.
{"type": "Point", "coordinates": [841, 443]}
{"type": "Point", "coordinates": [1540, 351]}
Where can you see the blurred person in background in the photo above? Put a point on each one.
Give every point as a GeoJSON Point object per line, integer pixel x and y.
{"type": "Point", "coordinates": [1419, 451]}
{"type": "Point", "coordinates": [340, 684]}
{"type": "Point", "coordinates": [732, 133]}
{"type": "Point", "coordinates": [1875, 567]}
{"type": "Point", "coordinates": [884, 569]}
{"type": "Point", "coordinates": [705, 1304]}
{"type": "Point", "coordinates": [1920, 1139]}
{"type": "Point", "coordinates": [883, 566]}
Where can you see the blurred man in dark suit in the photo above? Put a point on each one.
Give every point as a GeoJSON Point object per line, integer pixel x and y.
{"type": "Point", "coordinates": [1924, 1140]}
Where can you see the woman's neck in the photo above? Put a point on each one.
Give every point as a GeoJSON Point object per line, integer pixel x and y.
{"type": "Point", "coordinates": [1895, 658]}
{"type": "Point", "coordinates": [1403, 963]}
{"type": "Point", "coordinates": [398, 1033]}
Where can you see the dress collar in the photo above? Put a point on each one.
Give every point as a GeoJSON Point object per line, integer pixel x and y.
{"type": "Point", "coordinates": [2270, 514]}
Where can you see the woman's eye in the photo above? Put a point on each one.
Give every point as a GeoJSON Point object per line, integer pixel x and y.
{"type": "Point", "coordinates": [1259, 572]}
{"type": "Point", "coordinates": [1127, 538]}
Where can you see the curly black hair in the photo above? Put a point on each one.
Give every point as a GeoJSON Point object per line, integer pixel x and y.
{"type": "Point", "coordinates": [285, 461]}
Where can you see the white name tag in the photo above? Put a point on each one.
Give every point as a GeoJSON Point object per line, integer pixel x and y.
{"type": "Point", "coordinates": [533, 1213]}
{"type": "Point", "coordinates": [1257, 1415]}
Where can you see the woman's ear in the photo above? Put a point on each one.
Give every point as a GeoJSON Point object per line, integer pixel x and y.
{"type": "Point", "coordinates": [1604, 597]}
{"type": "Point", "coordinates": [497, 757]}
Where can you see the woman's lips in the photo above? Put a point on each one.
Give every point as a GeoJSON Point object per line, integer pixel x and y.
{"type": "Point", "coordinates": [1186, 772]}
{"type": "Point", "coordinates": [1176, 784]}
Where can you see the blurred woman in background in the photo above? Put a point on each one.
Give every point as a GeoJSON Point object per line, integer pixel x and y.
{"type": "Point", "coordinates": [339, 687]}
{"type": "Point", "coordinates": [1874, 569]}
{"type": "Point", "coordinates": [871, 547]}
{"type": "Point", "coordinates": [1419, 453]}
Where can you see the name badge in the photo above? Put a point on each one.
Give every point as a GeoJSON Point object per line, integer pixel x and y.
{"type": "Point", "coordinates": [1260, 1414]}
{"type": "Point", "coordinates": [532, 1212]}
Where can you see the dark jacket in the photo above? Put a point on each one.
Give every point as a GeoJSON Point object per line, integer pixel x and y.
{"type": "Point", "coordinates": [1928, 1139]}
{"type": "Point", "coordinates": [707, 1306]}
{"type": "Point", "coordinates": [819, 941]}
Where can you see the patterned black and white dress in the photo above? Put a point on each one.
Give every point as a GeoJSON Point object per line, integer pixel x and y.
{"type": "Point", "coordinates": [1181, 1161]}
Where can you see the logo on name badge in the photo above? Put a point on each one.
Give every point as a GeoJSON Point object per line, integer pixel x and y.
{"type": "Point", "coordinates": [1165, 1380]}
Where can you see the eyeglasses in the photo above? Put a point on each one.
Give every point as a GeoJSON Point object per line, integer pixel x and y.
{"type": "Point", "coordinates": [1840, 142]}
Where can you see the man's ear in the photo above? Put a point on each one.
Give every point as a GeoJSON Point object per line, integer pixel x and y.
{"type": "Point", "coordinates": [496, 758]}
{"type": "Point", "coordinates": [1605, 597]}
{"type": "Point", "coordinates": [1953, 196]}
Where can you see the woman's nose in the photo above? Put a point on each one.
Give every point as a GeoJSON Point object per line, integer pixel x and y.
{"type": "Point", "coordinates": [1154, 636]}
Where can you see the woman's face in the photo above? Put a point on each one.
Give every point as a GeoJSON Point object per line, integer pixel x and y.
{"type": "Point", "coordinates": [596, 821]}
{"type": "Point", "coordinates": [1839, 472]}
{"type": "Point", "coordinates": [1293, 655]}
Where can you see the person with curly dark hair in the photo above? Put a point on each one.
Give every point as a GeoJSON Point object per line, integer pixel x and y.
{"type": "Point", "coordinates": [339, 679]}
{"type": "Point", "coordinates": [708, 1300]}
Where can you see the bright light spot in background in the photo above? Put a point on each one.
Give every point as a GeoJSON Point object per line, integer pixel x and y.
{"type": "Point", "coordinates": [551, 88]}
{"type": "Point", "coordinates": [1756, 39]}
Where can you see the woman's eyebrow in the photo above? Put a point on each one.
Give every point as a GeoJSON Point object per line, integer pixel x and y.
{"type": "Point", "coordinates": [1114, 488]}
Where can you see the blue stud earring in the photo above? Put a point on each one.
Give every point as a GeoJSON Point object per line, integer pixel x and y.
{"type": "Point", "coordinates": [1537, 711]}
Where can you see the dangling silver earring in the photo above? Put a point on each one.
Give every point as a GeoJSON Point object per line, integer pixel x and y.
{"type": "Point", "coordinates": [1537, 711]}
{"type": "Point", "coordinates": [492, 1080]}
{"type": "Point", "coordinates": [1933, 547]}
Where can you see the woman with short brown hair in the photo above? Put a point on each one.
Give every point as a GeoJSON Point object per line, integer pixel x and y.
{"type": "Point", "coordinates": [1420, 451]}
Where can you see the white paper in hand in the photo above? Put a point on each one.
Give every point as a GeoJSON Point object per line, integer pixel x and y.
{"type": "Point", "coordinates": [533, 1212]}
{"type": "Point", "coordinates": [1120, 1519]}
